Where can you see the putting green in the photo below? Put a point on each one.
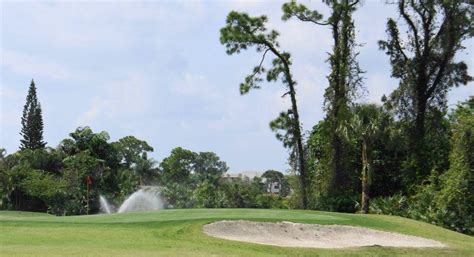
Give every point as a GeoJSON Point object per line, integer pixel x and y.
{"type": "Point", "coordinates": [179, 232]}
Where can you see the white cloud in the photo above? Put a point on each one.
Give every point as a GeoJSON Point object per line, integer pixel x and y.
{"type": "Point", "coordinates": [120, 100]}
{"type": "Point", "coordinates": [35, 66]}
{"type": "Point", "coordinates": [91, 114]}
{"type": "Point", "coordinates": [110, 24]}
{"type": "Point", "coordinates": [246, 5]}
{"type": "Point", "coordinates": [10, 107]}
{"type": "Point", "coordinates": [7, 93]}
{"type": "Point", "coordinates": [192, 84]}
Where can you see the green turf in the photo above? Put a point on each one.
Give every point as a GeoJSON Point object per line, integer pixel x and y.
{"type": "Point", "coordinates": [179, 233]}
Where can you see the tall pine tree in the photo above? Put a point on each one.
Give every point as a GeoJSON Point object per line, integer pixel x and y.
{"type": "Point", "coordinates": [32, 122]}
{"type": "Point", "coordinates": [242, 32]}
{"type": "Point", "coordinates": [345, 83]}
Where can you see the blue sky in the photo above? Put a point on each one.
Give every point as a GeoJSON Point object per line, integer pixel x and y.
{"type": "Point", "coordinates": [156, 70]}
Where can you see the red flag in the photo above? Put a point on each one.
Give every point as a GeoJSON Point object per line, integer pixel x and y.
{"type": "Point", "coordinates": [89, 180]}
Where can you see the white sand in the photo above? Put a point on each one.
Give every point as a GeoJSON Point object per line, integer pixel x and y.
{"type": "Point", "coordinates": [311, 235]}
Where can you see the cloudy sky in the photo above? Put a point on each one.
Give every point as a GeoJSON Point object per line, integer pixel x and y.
{"type": "Point", "coordinates": [156, 70]}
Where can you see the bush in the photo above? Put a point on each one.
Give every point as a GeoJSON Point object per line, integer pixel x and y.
{"type": "Point", "coordinates": [340, 203]}
{"type": "Point", "coordinates": [391, 205]}
{"type": "Point", "coordinates": [179, 196]}
{"type": "Point", "coordinates": [455, 200]}
{"type": "Point", "coordinates": [270, 201]}
{"type": "Point", "coordinates": [206, 195]}
{"type": "Point", "coordinates": [47, 188]}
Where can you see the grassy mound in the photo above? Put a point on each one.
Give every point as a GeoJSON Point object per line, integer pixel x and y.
{"type": "Point", "coordinates": [179, 232]}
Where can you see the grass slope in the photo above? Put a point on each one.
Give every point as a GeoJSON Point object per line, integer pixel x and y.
{"type": "Point", "coordinates": [179, 232]}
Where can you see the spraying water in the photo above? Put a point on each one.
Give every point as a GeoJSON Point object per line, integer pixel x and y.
{"type": "Point", "coordinates": [104, 205]}
{"type": "Point", "coordinates": [145, 199]}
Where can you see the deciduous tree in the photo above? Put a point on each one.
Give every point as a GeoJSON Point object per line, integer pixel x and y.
{"type": "Point", "coordinates": [424, 62]}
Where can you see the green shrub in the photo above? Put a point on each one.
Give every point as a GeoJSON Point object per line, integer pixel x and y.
{"type": "Point", "coordinates": [179, 196]}
{"type": "Point", "coordinates": [272, 201]}
{"type": "Point", "coordinates": [340, 203]}
{"type": "Point", "coordinates": [391, 205]}
{"type": "Point", "coordinates": [455, 200]}
{"type": "Point", "coordinates": [47, 188]}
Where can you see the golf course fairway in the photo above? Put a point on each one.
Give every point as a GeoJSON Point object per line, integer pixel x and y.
{"type": "Point", "coordinates": [176, 232]}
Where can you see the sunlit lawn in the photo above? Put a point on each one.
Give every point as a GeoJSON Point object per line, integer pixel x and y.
{"type": "Point", "coordinates": [179, 232]}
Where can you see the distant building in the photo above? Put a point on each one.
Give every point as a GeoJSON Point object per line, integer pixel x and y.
{"type": "Point", "coordinates": [245, 176]}
{"type": "Point", "coordinates": [235, 177]}
{"type": "Point", "coordinates": [274, 187]}
{"type": "Point", "coordinates": [248, 176]}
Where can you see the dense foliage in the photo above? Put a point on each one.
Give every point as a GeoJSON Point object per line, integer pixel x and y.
{"type": "Point", "coordinates": [386, 153]}
{"type": "Point", "coordinates": [54, 179]}
{"type": "Point", "coordinates": [424, 61]}
{"type": "Point", "coordinates": [444, 199]}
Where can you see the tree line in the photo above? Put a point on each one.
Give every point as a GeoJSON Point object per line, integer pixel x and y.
{"type": "Point", "coordinates": [402, 154]}
{"type": "Point", "coordinates": [68, 179]}
{"type": "Point", "coordinates": [55, 180]}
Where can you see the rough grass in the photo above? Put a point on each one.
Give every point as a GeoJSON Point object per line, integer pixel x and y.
{"type": "Point", "coordinates": [179, 232]}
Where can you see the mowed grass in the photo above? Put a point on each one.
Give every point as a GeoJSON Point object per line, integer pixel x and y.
{"type": "Point", "coordinates": [179, 233]}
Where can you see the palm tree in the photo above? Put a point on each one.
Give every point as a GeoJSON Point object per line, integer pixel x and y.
{"type": "Point", "coordinates": [364, 126]}
{"type": "Point", "coordinates": [145, 169]}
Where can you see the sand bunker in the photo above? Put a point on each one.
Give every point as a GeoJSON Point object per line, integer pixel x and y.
{"type": "Point", "coordinates": [311, 235]}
